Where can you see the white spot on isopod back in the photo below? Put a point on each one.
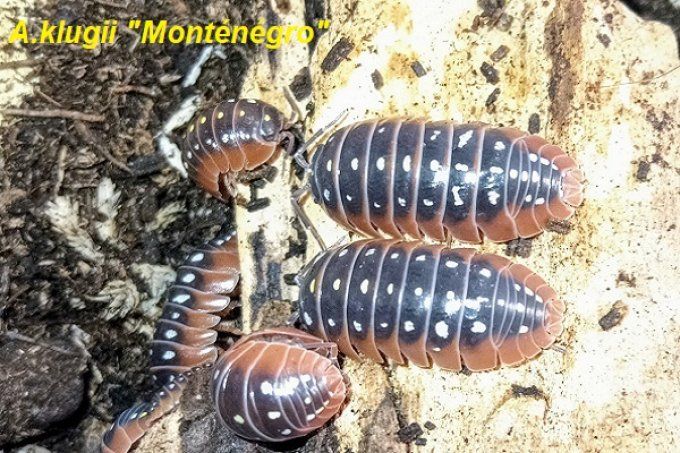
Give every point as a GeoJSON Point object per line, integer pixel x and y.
{"type": "Point", "coordinates": [540, 201]}
{"type": "Point", "coordinates": [266, 388]}
{"type": "Point", "coordinates": [478, 327]}
{"type": "Point", "coordinates": [336, 284]}
{"type": "Point", "coordinates": [308, 319]}
{"type": "Point", "coordinates": [380, 163]}
{"type": "Point", "coordinates": [499, 146]}
{"type": "Point", "coordinates": [514, 173]}
{"type": "Point", "coordinates": [329, 165]}
{"type": "Point", "coordinates": [402, 201]}
{"type": "Point", "coordinates": [188, 278]}
{"type": "Point", "coordinates": [452, 305]}
{"type": "Point", "coordinates": [525, 176]}
{"type": "Point", "coordinates": [528, 198]}
{"type": "Point", "coordinates": [493, 197]}
{"type": "Point", "coordinates": [355, 164]}
{"type": "Point", "coordinates": [434, 165]}
{"type": "Point", "coordinates": [357, 326]}
{"type": "Point", "coordinates": [364, 286]}
{"type": "Point", "coordinates": [523, 329]}
{"type": "Point", "coordinates": [285, 432]}
{"type": "Point", "coordinates": [533, 157]}
{"type": "Point", "coordinates": [327, 194]}
{"type": "Point", "coordinates": [428, 202]}
{"type": "Point", "coordinates": [238, 419]}
{"type": "Point", "coordinates": [390, 288]}
{"type": "Point", "coordinates": [457, 200]}
{"type": "Point", "coordinates": [418, 291]}
{"type": "Point", "coordinates": [485, 273]}
{"type": "Point", "coordinates": [181, 298]}
{"type": "Point", "coordinates": [451, 264]}
{"type": "Point", "coordinates": [170, 334]}
{"type": "Point", "coordinates": [370, 252]}
{"type": "Point", "coordinates": [331, 322]}
{"type": "Point", "coordinates": [343, 253]}
{"type": "Point", "coordinates": [168, 355]}
{"type": "Point", "coordinates": [442, 329]}
{"type": "Point", "coordinates": [273, 415]}
{"type": "Point", "coordinates": [196, 257]}
{"type": "Point", "coordinates": [408, 326]}
{"type": "Point", "coordinates": [463, 139]}
{"type": "Point", "coordinates": [406, 163]}
{"type": "Point", "coordinates": [461, 167]}
{"type": "Point", "coordinates": [496, 170]}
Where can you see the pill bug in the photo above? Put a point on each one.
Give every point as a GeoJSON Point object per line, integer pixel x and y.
{"type": "Point", "coordinates": [184, 338]}
{"type": "Point", "coordinates": [399, 177]}
{"type": "Point", "coordinates": [233, 136]}
{"type": "Point", "coordinates": [278, 384]}
{"type": "Point", "coordinates": [428, 304]}
{"type": "Point", "coordinates": [307, 385]}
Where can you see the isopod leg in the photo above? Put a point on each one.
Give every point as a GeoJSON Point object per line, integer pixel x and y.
{"type": "Point", "coordinates": [306, 222]}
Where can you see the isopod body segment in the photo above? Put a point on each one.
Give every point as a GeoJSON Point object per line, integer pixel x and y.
{"type": "Point", "coordinates": [400, 177]}
{"type": "Point", "coordinates": [428, 304]}
{"type": "Point", "coordinates": [278, 384]}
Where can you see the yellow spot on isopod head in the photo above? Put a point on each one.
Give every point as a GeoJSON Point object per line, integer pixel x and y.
{"type": "Point", "coordinates": [267, 118]}
{"type": "Point", "coordinates": [312, 285]}
{"type": "Point", "coordinates": [242, 113]}
{"type": "Point", "coordinates": [203, 119]}
{"type": "Point", "coordinates": [220, 115]}
{"type": "Point", "coordinates": [191, 128]}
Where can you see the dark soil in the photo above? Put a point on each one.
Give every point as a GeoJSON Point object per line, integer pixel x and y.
{"type": "Point", "coordinates": [78, 370]}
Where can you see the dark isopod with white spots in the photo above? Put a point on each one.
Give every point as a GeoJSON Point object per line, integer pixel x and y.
{"type": "Point", "coordinates": [417, 178]}
{"type": "Point", "coordinates": [428, 304]}
{"type": "Point", "coordinates": [233, 136]}
{"type": "Point", "coordinates": [278, 384]}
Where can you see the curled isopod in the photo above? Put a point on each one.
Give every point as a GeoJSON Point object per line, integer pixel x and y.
{"type": "Point", "coordinates": [278, 384]}
{"type": "Point", "coordinates": [428, 304]}
{"type": "Point", "coordinates": [234, 136]}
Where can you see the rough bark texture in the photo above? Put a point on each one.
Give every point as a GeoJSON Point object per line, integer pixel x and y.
{"type": "Point", "coordinates": [588, 75]}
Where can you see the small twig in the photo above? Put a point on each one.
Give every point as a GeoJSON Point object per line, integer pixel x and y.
{"type": "Point", "coordinates": [135, 89]}
{"type": "Point", "coordinates": [61, 158]}
{"type": "Point", "coordinates": [47, 98]}
{"type": "Point", "coordinates": [18, 64]}
{"type": "Point", "coordinates": [111, 4]}
{"type": "Point", "coordinates": [86, 135]}
{"type": "Point", "coordinates": [19, 337]}
{"type": "Point", "coordinates": [57, 113]}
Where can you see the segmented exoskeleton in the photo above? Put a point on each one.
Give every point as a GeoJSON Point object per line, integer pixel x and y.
{"type": "Point", "coordinates": [233, 136]}
{"type": "Point", "coordinates": [417, 178]}
{"type": "Point", "coordinates": [428, 304]}
{"type": "Point", "coordinates": [273, 385]}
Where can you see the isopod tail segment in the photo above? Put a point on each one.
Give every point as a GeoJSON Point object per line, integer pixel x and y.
{"type": "Point", "coordinates": [184, 339]}
{"type": "Point", "coordinates": [235, 136]}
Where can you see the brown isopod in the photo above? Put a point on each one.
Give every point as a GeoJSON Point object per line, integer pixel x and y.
{"type": "Point", "coordinates": [428, 304]}
{"type": "Point", "coordinates": [288, 382]}
{"type": "Point", "coordinates": [232, 137]}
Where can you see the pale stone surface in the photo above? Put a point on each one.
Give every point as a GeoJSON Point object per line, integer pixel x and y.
{"type": "Point", "coordinates": [610, 106]}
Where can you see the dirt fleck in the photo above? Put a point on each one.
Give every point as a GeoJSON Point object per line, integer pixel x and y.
{"type": "Point", "coordinates": [338, 53]}
{"type": "Point", "coordinates": [534, 123]}
{"type": "Point", "coordinates": [499, 53]}
{"type": "Point", "coordinates": [531, 391]}
{"type": "Point", "coordinates": [626, 278]}
{"type": "Point", "coordinates": [519, 247]}
{"type": "Point", "coordinates": [301, 86]}
{"type": "Point", "coordinates": [418, 69]}
{"type": "Point", "coordinates": [421, 441]}
{"type": "Point", "coordinates": [614, 316]}
{"type": "Point", "coordinates": [561, 226]}
{"type": "Point", "coordinates": [377, 79]}
{"type": "Point", "coordinates": [490, 73]}
{"type": "Point", "coordinates": [493, 97]}
{"type": "Point", "coordinates": [429, 425]}
{"type": "Point", "coordinates": [604, 39]}
{"type": "Point", "coordinates": [659, 123]}
{"type": "Point", "coordinates": [409, 433]}
{"type": "Point", "coordinates": [642, 170]}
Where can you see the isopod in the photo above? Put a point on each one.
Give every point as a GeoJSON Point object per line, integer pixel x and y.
{"type": "Point", "coordinates": [233, 136]}
{"type": "Point", "coordinates": [418, 178]}
{"type": "Point", "coordinates": [386, 298]}
{"type": "Point", "coordinates": [278, 384]}
{"type": "Point", "coordinates": [272, 385]}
